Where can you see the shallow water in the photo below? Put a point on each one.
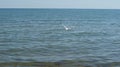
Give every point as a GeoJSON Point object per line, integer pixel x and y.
{"type": "Point", "coordinates": [38, 35]}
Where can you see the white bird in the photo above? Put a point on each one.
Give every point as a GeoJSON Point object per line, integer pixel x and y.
{"type": "Point", "coordinates": [66, 28]}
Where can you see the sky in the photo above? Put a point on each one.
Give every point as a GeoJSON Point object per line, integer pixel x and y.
{"type": "Point", "coordinates": [83, 4]}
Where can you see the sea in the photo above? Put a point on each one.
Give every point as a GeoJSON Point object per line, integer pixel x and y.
{"type": "Point", "coordinates": [69, 37]}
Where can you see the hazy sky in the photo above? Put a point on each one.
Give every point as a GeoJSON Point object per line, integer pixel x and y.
{"type": "Point", "coordinates": [109, 4]}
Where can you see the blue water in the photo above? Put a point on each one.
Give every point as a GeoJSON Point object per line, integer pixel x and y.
{"type": "Point", "coordinates": [38, 35]}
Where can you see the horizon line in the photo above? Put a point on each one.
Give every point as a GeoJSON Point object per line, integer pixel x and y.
{"type": "Point", "coordinates": [54, 8]}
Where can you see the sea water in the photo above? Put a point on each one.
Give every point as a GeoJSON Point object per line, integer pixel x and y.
{"type": "Point", "coordinates": [39, 35]}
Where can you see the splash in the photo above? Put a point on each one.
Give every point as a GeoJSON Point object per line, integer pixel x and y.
{"type": "Point", "coordinates": [66, 28]}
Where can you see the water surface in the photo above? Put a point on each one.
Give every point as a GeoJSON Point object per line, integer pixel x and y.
{"type": "Point", "coordinates": [38, 35]}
